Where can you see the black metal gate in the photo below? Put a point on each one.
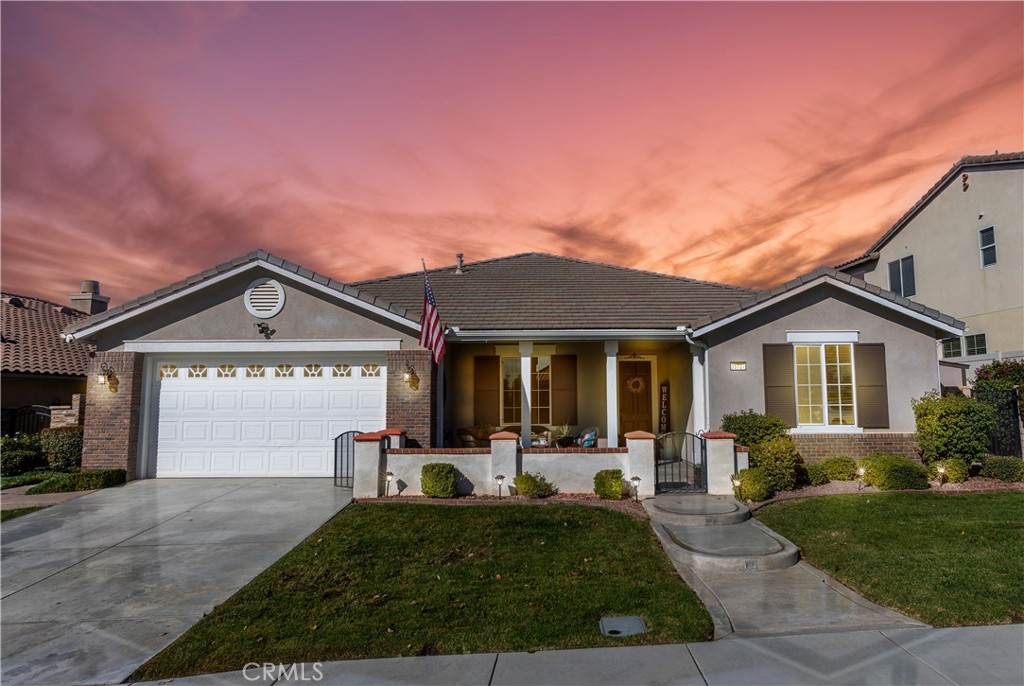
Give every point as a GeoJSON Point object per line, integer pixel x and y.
{"type": "Point", "coordinates": [344, 458]}
{"type": "Point", "coordinates": [680, 463]}
{"type": "Point", "coordinates": [30, 419]}
{"type": "Point", "coordinates": [1005, 437]}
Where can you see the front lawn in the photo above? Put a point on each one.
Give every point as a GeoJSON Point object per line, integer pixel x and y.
{"type": "Point", "coordinates": [387, 580]}
{"type": "Point", "coordinates": [948, 560]}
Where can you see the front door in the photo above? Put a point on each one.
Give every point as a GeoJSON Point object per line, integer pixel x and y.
{"type": "Point", "coordinates": [635, 396]}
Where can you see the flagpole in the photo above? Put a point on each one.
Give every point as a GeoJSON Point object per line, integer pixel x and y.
{"type": "Point", "coordinates": [439, 391]}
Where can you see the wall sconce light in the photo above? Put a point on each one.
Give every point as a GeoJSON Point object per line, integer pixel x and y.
{"type": "Point", "coordinates": [410, 377]}
{"type": "Point", "coordinates": [499, 479]}
{"type": "Point", "coordinates": [388, 476]}
{"type": "Point", "coordinates": [107, 377]}
{"type": "Point", "coordinates": [636, 488]}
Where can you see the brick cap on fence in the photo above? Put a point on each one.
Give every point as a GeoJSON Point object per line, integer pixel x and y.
{"type": "Point", "coordinates": [635, 435]}
{"type": "Point", "coordinates": [719, 434]}
{"type": "Point", "coordinates": [367, 437]}
{"type": "Point", "coordinates": [742, 449]}
{"type": "Point", "coordinates": [504, 436]}
{"type": "Point", "coordinates": [392, 432]}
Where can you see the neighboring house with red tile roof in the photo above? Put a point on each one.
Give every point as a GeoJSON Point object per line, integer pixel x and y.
{"type": "Point", "coordinates": [40, 368]}
{"type": "Point", "coordinates": [254, 366]}
{"type": "Point", "coordinates": [960, 248]}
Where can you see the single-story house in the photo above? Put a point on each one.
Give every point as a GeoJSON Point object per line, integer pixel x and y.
{"type": "Point", "coordinates": [253, 367]}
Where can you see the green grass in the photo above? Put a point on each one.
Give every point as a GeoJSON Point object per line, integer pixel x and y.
{"type": "Point", "coordinates": [946, 559]}
{"type": "Point", "coordinates": [11, 514]}
{"type": "Point", "coordinates": [403, 579]}
{"type": "Point", "coordinates": [25, 479]}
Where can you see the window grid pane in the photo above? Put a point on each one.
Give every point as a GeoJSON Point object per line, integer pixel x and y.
{"type": "Point", "coordinates": [824, 384]}
{"type": "Point", "coordinates": [951, 347]}
{"type": "Point", "coordinates": [975, 345]}
{"type": "Point", "coordinates": [808, 375]}
{"type": "Point", "coordinates": [511, 391]}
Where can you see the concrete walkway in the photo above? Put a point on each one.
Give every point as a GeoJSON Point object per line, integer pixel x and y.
{"type": "Point", "coordinates": [750, 578]}
{"type": "Point", "coordinates": [94, 587]}
{"type": "Point", "coordinates": [974, 656]}
{"type": "Point", "coordinates": [15, 498]}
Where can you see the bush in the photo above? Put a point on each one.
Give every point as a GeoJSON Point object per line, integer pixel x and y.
{"type": "Point", "coordinates": [840, 468]}
{"type": "Point", "coordinates": [957, 471]}
{"type": "Point", "coordinates": [20, 453]}
{"type": "Point", "coordinates": [817, 475]}
{"type": "Point", "coordinates": [999, 375]}
{"type": "Point", "coordinates": [438, 480]}
{"type": "Point", "coordinates": [780, 460]}
{"type": "Point", "coordinates": [62, 447]}
{"type": "Point", "coordinates": [752, 427]}
{"type": "Point", "coordinates": [25, 479]}
{"type": "Point", "coordinates": [80, 481]}
{"type": "Point", "coordinates": [533, 485]}
{"type": "Point", "coordinates": [1003, 468]}
{"type": "Point", "coordinates": [953, 426]}
{"type": "Point", "coordinates": [755, 485]}
{"type": "Point", "coordinates": [894, 472]}
{"type": "Point", "coordinates": [608, 484]}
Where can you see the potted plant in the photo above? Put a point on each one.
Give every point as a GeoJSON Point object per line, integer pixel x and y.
{"type": "Point", "coordinates": [565, 435]}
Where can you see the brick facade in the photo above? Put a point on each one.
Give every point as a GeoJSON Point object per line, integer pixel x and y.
{"type": "Point", "coordinates": [408, 409]}
{"type": "Point", "coordinates": [68, 415]}
{"type": "Point", "coordinates": [111, 438]}
{"type": "Point", "coordinates": [816, 447]}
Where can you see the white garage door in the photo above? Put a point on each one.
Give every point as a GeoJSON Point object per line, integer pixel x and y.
{"type": "Point", "coordinates": [263, 417]}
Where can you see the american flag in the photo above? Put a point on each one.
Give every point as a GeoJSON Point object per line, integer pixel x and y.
{"type": "Point", "coordinates": [431, 330]}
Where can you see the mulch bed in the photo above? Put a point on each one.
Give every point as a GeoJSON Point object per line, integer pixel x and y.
{"type": "Point", "coordinates": [630, 507]}
{"type": "Point", "coordinates": [977, 484]}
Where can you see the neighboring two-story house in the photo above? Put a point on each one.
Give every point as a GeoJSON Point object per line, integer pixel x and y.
{"type": "Point", "coordinates": [960, 249]}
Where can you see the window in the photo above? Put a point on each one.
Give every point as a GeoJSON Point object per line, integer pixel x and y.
{"type": "Point", "coordinates": [226, 371]}
{"type": "Point", "coordinates": [284, 371]}
{"type": "Point", "coordinates": [951, 347]}
{"type": "Point", "coordinates": [197, 371]}
{"type": "Point", "coordinates": [168, 371]}
{"type": "Point", "coordinates": [341, 370]}
{"type": "Point", "coordinates": [974, 345]}
{"type": "Point", "coordinates": [512, 390]}
{"type": "Point", "coordinates": [987, 240]}
{"type": "Point", "coordinates": [369, 371]}
{"type": "Point", "coordinates": [824, 384]}
{"type": "Point", "coordinates": [312, 371]}
{"type": "Point", "coordinates": [254, 371]}
{"type": "Point", "coordinates": [901, 277]}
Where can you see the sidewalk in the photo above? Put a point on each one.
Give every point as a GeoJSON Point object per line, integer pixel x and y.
{"type": "Point", "coordinates": [972, 656]}
{"type": "Point", "coordinates": [15, 498]}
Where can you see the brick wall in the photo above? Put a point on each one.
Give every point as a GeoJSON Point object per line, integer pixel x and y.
{"type": "Point", "coordinates": [68, 415]}
{"type": "Point", "coordinates": [408, 409]}
{"type": "Point", "coordinates": [111, 437]}
{"type": "Point", "coordinates": [816, 447]}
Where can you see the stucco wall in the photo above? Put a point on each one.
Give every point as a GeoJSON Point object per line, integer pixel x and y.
{"type": "Point", "coordinates": [910, 361]}
{"type": "Point", "coordinates": [943, 238]}
{"type": "Point", "coordinates": [218, 313]}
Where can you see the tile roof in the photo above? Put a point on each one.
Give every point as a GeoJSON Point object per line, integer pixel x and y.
{"type": "Point", "coordinates": [31, 337]}
{"type": "Point", "coordinates": [541, 291]}
{"type": "Point", "coordinates": [999, 160]}
{"type": "Point", "coordinates": [820, 273]}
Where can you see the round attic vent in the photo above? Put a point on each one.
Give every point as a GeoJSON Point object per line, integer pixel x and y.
{"type": "Point", "coordinates": [264, 298]}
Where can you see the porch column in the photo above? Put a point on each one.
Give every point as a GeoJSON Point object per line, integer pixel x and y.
{"type": "Point", "coordinates": [611, 375]}
{"type": "Point", "coordinates": [525, 373]}
{"type": "Point", "coordinates": [699, 378]}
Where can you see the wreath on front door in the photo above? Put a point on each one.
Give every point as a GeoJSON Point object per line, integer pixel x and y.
{"type": "Point", "coordinates": [635, 384]}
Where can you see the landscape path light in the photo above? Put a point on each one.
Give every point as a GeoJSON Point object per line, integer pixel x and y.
{"type": "Point", "coordinates": [388, 476]}
{"type": "Point", "coordinates": [500, 479]}
{"type": "Point", "coordinates": [636, 488]}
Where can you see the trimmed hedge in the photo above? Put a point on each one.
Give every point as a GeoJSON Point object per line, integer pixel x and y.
{"type": "Point", "coordinates": [437, 480]}
{"type": "Point", "coordinates": [80, 481]}
{"type": "Point", "coordinates": [20, 453]}
{"type": "Point", "coordinates": [840, 468]}
{"type": "Point", "coordinates": [894, 472]}
{"type": "Point", "coordinates": [755, 485]}
{"type": "Point", "coordinates": [609, 484]}
{"type": "Point", "coordinates": [957, 471]}
{"type": "Point", "coordinates": [781, 462]}
{"type": "Point", "coordinates": [752, 427]}
{"type": "Point", "coordinates": [953, 426]}
{"type": "Point", "coordinates": [62, 447]}
{"type": "Point", "coordinates": [25, 479]}
{"type": "Point", "coordinates": [533, 485]}
{"type": "Point", "coordinates": [1003, 468]}
{"type": "Point", "coordinates": [817, 475]}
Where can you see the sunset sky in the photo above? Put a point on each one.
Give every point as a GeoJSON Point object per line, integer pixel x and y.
{"type": "Point", "coordinates": [735, 142]}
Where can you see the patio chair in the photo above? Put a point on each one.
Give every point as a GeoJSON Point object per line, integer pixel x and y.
{"type": "Point", "coordinates": [588, 437]}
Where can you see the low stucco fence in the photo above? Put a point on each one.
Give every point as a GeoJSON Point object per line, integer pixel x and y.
{"type": "Point", "coordinates": [571, 470]}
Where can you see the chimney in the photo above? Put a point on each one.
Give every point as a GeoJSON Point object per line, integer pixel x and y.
{"type": "Point", "coordinates": [458, 263]}
{"type": "Point", "coordinates": [89, 299]}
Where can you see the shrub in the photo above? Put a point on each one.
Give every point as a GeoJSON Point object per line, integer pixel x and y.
{"type": "Point", "coordinates": [437, 480]}
{"type": "Point", "coordinates": [780, 460]}
{"type": "Point", "coordinates": [953, 426]}
{"type": "Point", "coordinates": [755, 485]}
{"type": "Point", "coordinates": [608, 484]}
{"type": "Point", "coordinates": [891, 471]}
{"type": "Point", "coordinates": [1003, 468]}
{"type": "Point", "coordinates": [25, 479]}
{"type": "Point", "coordinates": [840, 468]}
{"type": "Point", "coordinates": [19, 453]}
{"type": "Point", "coordinates": [62, 447]}
{"type": "Point", "coordinates": [80, 481]}
{"type": "Point", "coordinates": [752, 427]}
{"type": "Point", "coordinates": [957, 471]}
{"type": "Point", "coordinates": [817, 475]}
{"type": "Point", "coordinates": [533, 485]}
{"type": "Point", "coordinates": [999, 375]}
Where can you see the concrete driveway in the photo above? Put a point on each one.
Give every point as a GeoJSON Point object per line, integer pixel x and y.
{"type": "Point", "coordinates": [94, 587]}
